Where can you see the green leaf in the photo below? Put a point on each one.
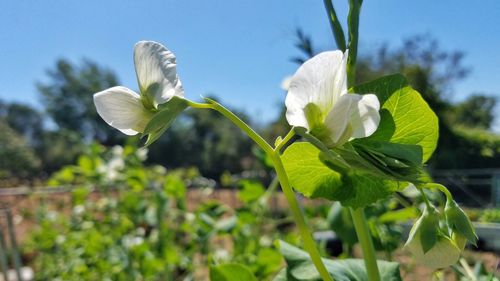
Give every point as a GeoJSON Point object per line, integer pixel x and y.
{"type": "Point", "coordinates": [174, 186]}
{"type": "Point", "coordinates": [230, 272]}
{"type": "Point", "coordinates": [250, 191]}
{"type": "Point", "coordinates": [405, 116]}
{"type": "Point", "coordinates": [162, 120]}
{"type": "Point", "coordinates": [300, 267]}
{"type": "Point", "coordinates": [311, 177]}
{"type": "Point", "coordinates": [400, 215]}
{"type": "Point", "coordinates": [459, 222]}
{"type": "Point", "coordinates": [400, 162]}
{"type": "Point", "coordinates": [340, 221]}
{"type": "Point", "coordinates": [428, 229]}
{"type": "Point", "coordinates": [409, 152]}
{"type": "Point", "coordinates": [368, 189]}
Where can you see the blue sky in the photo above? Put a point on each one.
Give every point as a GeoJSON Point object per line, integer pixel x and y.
{"type": "Point", "coordinates": [237, 50]}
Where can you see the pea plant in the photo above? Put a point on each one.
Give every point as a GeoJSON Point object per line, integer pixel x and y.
{"type": "Point", "coordinates": [355, 144]}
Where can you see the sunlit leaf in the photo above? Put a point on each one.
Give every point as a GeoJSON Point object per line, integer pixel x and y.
{"type": "Point", "coordinates": [405, 116]}
{"type": "Point", "coordinates": [231, 272]}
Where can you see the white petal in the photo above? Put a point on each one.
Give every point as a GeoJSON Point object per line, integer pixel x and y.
{"type": "Point", "coordinates": [295, 114]}
{"type": "Point", "coordinates": [122, 108]}
{"type": "Point", "coordinates": [364, 121]}
{"type": "Point", "coordinates": [320, 80]}
{"type": "Point", "coordinates": [155, 66]}
{"type": "Point", "coordinates": [337, 120]}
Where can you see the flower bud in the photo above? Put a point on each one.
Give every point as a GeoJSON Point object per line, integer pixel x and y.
{"type": "Point", "coordinates": [444, 252]}
{"type": "Point", "coordinates": [429, 245]}
{"type": "Point", "coordinates": [459, 222]}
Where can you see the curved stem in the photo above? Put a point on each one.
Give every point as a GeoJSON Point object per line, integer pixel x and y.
{"type": "Point", "coordinates": [285, 140]}
{"type": "Point", "coordinates": [441, 188]}
{"type": "Point", "coordinates": [424, 196]}
{"type": "Point", "coordinates": [199, 105]}
{"type": "Point", "coordinates": [361, 226]}
{"type": "Point", "coordinates": [237, 121]}
{"type": "Point", "coordinates": [309, 244]}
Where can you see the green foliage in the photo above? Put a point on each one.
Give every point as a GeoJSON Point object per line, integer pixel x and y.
{"type": "Point", "coordinates": [138, 226]}
{"type": "Point", "coordinates": [26, 121]}
{"type": "Point", "coordinates": [410, 119]}
{"type": "Point", "coordinates": [340, 221]}
{"type": "Point", "coordinates": [68, 100]}
{"type": "Point", "coordinates": [384, 222]}
{"type": "Point", "coordinates": [475, 112]}
{"type": "Point", "coordinates": [311, 177]}
{"type": "Point", "coordinates": [377, 165]}
{"type": "Point", "coordinates": [109, 168]}
{"type": "Point", "coordinates": [17, 159]}
{"type": "Point", "coordinates": [490, 215]}
{"type": "Point", "coordinates": [250, 191]}
{"type": "Point", "coordinates": [229, 272]}
{"type": "Point", "coordinates": [458, 221]}
{"type": "Point", "coordinates": [300, 267]}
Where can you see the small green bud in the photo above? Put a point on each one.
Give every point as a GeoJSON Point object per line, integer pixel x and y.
{"type": "Point", "coordinates": [427, 229]}
{"type": "Point", "coordinates": [444, 253]}
{"type": "Point", "coordinates": [459, 222]}
{"type": "Point", "coordinates": [278, 140]}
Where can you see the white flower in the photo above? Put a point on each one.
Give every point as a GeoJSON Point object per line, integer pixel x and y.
{"type": "Point", "coordinates": [130, 112]}
{"type": "Point", "coordinates": [318, 100]}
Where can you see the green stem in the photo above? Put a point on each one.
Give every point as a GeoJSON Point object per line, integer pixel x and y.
{"type": "Point", "coordinates": [237, 121]}
{"type": "Point", "coordinates": [441, 188]}
{"type": "Point", "coordinates": [424, 196]}
{"type": "Point", "coordinates": [338, 32]}
{"type": "Point", "coordinates": [285, 140]}
{"type": "Point", "coordinates": [364, 237]}
{"type": "Point", "coordinates": [309, 244]}
{"type": "Point", "coordinates": [353, 24]}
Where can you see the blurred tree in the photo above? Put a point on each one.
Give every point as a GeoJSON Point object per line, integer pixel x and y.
{"type": "Point", "coordinates": [68, 100]}
{"type": "Point", "coordinates": [17, 159]}
{"type": "Point", "coordinates": [26, 121]}
{"type": "Point", "coordinates": [52, 149]}
{"type": "Point", "coordinates": [430, 70]}
{"type": "Point", "coordinates": [476, 111]}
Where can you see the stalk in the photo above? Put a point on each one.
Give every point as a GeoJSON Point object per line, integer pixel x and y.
{"type": "Point", "coordinates": [365, 239]}
{"type": "Point", "coordinates": [337, 31]}
{"type": "Point", "coordinates": [309, 244]}
{"type": "Point", "coordinates": [353, 24]}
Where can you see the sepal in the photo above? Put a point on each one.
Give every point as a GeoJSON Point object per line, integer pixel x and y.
{"type": "Point", "coordinates": [163, 118]}
{"type": "Point", "coordinates": [459, 222]}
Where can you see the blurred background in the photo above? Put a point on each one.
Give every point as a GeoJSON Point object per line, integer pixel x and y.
{"type": "Point", "coordinates": [54, 55]}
